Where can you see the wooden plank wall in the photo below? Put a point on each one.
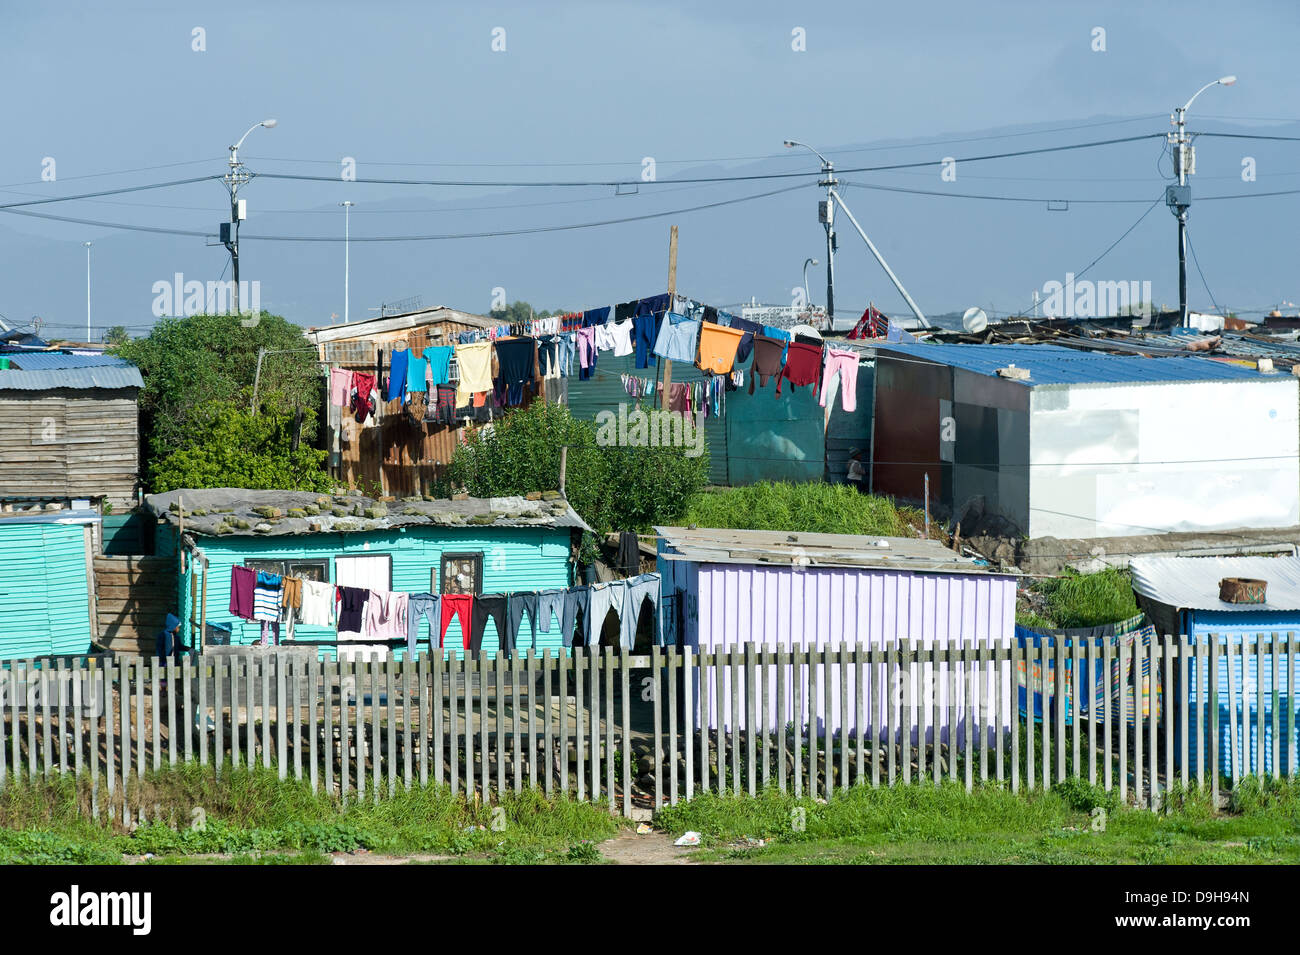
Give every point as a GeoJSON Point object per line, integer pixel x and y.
{"type": "Point", "coordinates": [134, 596]}
{"type": "Point", "coordinates": [65, 444]}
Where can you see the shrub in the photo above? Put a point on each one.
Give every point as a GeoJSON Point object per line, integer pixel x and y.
{"type": "Point", "coordinates": [809, 508]}
{"type": "Point", "coordinates": [1089, 600]}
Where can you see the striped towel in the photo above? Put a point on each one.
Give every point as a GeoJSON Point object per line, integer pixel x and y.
{"type": "Point", "coordinates": [266, 597]}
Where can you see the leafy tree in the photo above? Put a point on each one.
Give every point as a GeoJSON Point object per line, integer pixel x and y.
{"type": "Point", "coordinates": [191, 364]}
{"type": "Point", "coordinates": [519, 312]}
{"type": "Point", "coordinates": [241, 449]}
{"type": "Point", "coordinates": [117, 335]}
{"type": "Point", "coordinates": [612, 488]}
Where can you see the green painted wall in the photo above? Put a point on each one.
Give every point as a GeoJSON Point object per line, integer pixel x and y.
{"type": "Point", "coordinates": [771, 438]}
{"type": "Point", "coordinates": [43, 590]}
{"type": "Point", "coordinates": [514, 559]}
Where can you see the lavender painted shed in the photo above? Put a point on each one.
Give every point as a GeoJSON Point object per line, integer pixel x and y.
{"type": "Point", "coordinates": [780, 592]}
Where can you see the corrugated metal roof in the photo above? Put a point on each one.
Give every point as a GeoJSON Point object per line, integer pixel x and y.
{"type": "Point", "coordinates": [77, 379]}
{"type": "Point", "coordinates": [711, 545]}
{"type": "Point", "coordinates": [47, 360]}
{"type": "Point", "coordinates": [1054, 365]}
{"type": "Point", "coordinates": [1192, 583]}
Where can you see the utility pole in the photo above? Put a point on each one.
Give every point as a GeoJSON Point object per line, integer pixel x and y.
{"type": "Point", "coordinates": [87, 245]}
{"type": "Point", "coordinates": [672, 290]}
{"type": "Point", "coordinates": [236, 176]}
{"type": "Point", "coordinates": [347, 253]}
{"type": "Point", "coordinates": [1179, 198]}
{"type": "Point", "coordinates": [826, 215]}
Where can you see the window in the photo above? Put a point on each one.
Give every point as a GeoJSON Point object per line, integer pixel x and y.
{"type": "Point", "coordinates": [461, 574]}
{"type": "Point", "coordinates": [306, 569]}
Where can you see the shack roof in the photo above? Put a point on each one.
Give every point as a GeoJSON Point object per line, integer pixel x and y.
{"type": "Point", "coordinates": [1192, 583]}
{"type": "Point", "coordinates": [220, 512]}
{"type": "Point", "coordinates": [710, 545]}
{"type": "Point", "coordinates": [64, 375]}
{"type": "Point", "coordinates": [1055, 365]}
{"type": "Point", "coordinates": [365, 328]}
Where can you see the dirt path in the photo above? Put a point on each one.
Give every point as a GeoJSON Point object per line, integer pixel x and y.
{"type": "Point", "coordinates": [653, 848]}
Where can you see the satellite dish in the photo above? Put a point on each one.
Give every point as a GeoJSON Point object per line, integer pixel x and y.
{"type": "Point", "coordinates": [804, 330]}
{"type": "Point", "coordinates": [974, 320]}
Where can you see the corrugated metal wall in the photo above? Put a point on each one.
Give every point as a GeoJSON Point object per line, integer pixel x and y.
{"type": "Point", "coordinates": [603, 391]}
{"type": "Point", "coordinates": [785, 608]}
{"type": "Point", "coordinates": [44, 589]}
{"type": "Point", "coordinates": [514, 559]}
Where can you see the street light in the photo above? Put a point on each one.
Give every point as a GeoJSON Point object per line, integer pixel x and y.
{"type": "Point", "coordinates": [807, 296]}
{"type": "Point", "coordinates": [826, 214]}
{"type": "Point", "coordinates": [87, 245]}
{"type": "Point", "coordinates": [235, 177]}
{"type": "Point", "coordinates": [1179, 198]}
{"type": "Point", "coordinates": [347, 263]}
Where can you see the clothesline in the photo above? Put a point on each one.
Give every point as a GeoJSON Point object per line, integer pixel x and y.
{"type": "Point", "coordinates": [366, 615]}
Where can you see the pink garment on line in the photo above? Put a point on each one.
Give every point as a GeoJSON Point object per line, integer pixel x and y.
{"type": "Point", "coordinates": [340, 386]}
{"type": "Point", "coordinates": [845, 361]}
{"type": "Point", "coordinates": [587, 346]}
{"type": "Point", "coordinates": [386, 615]}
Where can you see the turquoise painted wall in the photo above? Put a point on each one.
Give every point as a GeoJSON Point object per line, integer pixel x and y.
{"type": "Point", "coordinates": [514, 559]}
{"type": "Point", "coordinates": [771, 438]}
{"type": "Point", "coordinates": [43, 590]}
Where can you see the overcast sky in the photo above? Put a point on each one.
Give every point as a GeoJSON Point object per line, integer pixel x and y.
{"type": "Point", "coordinates": [580, 91]}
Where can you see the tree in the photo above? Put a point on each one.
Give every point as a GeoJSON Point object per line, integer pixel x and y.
{"type": "Point", "coordinates": [613, 488]}
{"type": "Point", "coordinates": [242, 449]}
{"type": "Point", "coordinates": [117, 335]}
{"type": "Point", "coordinates": [518, 312]}
{"type": "Point", "coordinates": [191, 365]}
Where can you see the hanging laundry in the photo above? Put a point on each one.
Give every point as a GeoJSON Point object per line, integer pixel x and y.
{"type": "Point", "coordinates": [317, 608]}
{"type": "Point", "coordinates": [576, 600]}
{"type": "Point", "coordinates": [439, 359]}
{"type": "Point", "coordinates": [518, 360]}
{"type": "Point", "coordinates": [291, 593]}
{"type": "Point", "coordinates": [802, 367]}
{"type": "Point", "coordinates": [266, 597]}
{"type": "Point", "coordinates": [750, 329]}
{"type": "Point", "coordinates": [423, 607]}
{"type": "Point", "coordinates": [872, 324]}
{"type": "Point", "coordinates": [475, 363]}
{"type": "Point", "coordinates": [340, 387]}
{"type": "Point", "coordinates": [636, 591]}
{"type": "Point", "coordinates": [493, 607]}
{"type": "Point", "coordinates": [417, 372]}
{"type": "Point", "coordinates": [243, 580]}
{"type": "Point", "coordinates": [586, 342]}
{"type": "Point", "coordinates": [444, 407]}
{"type": "Point", "coordinates": [516, 606]}
{"type": "Point", "coordinates": [460, 606]}
{"type": "Point", "coordinates": [842, 361]}
{"type": "Point", "coordinates": [351, 611]}
{"type": "Point", "coordinates": [397, 374]}
{"type": "Point", "coordinates": [550, 602]}
{"type": "Point", "coordinates": [767, 361]}
{"type": "Point", "coordinates": [679, 399]}
{"type": "Point", "coordinates": [781, 335]}
{"type": "Point", "coordinates": [718, 347]}
{"type": "Point", "coordinates": [386, 615]}
{"type": "Point", "coordinates": [604, 598]}
{"type": "Point", "coordinates": [364, 400]}
{"type": "Point", "coordinates": [677, 338]}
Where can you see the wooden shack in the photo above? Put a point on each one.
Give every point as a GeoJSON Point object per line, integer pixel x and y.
{"type": "Point", "coordinates": [396, 456]}
{"type": "Point", "coordinates": [69, 428]}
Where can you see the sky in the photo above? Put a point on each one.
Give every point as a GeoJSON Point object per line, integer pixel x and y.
{"type": "Point", "coordinates": [139, 93]}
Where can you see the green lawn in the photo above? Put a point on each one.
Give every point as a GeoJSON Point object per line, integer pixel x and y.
{"type": "Point", "coordinates": [924, 825]}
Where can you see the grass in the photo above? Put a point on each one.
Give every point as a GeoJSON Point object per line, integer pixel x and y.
{"type": "Point", "coordinates": [812, 507]}
{"type": "Point", "coordinates": [925, 825]}
{"type": "Point", "coordinates": [1082, 600]}
{"type": "Point", "coordinates": [253, 812]}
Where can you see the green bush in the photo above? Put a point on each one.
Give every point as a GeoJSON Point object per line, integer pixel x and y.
{"type": "Point", "coordinates": [238, 449]}
{"type": "Point", "coordinates": [613, 488]}
{"type": "Point", "coordinates": [813, 507]}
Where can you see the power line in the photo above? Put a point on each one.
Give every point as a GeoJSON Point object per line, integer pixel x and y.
{"type": "Point", "coordinates": [968, 195]}
{"type": "Point", "coordinates": [1195, 261]}
{"type": "Point", "coordinates": [120, 172]}
{"type": "Point", "coordinates": [607, 183]}
{"type": "Point", "coordinates": [110, 192]}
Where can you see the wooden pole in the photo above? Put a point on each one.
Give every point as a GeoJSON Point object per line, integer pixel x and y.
{"type": "Point", "coordinates": [564, 461]}
{"type": "Point", "coordinates": [672, 290]}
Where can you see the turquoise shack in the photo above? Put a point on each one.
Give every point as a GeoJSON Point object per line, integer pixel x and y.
{"type": "Point", "coordinates": [45, 582]}
{"type": "Point", "coordinates": [475, 545]}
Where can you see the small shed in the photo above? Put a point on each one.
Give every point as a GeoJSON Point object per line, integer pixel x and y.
{"type": "Point", "coordinates": [480, 546]}
{"type": "Point", "coordinates": [726, 589]}
{"type": "Point", "coordinates": [46, 583]}
{"type": "Point", "coordinates": [1181, 597]}
{"type": "Point", "coordinates": [69, 427]}
{"type": "Point", "coordinates": [396, 456]}
{"type": "Point", "coordinates": [1072, 444]}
